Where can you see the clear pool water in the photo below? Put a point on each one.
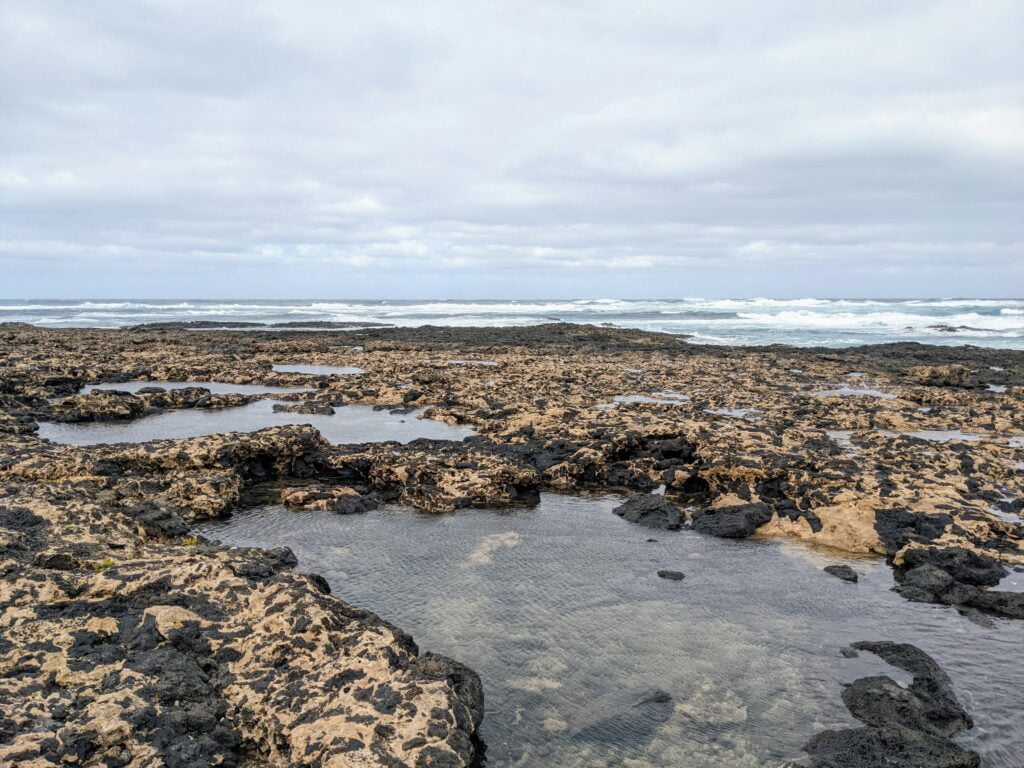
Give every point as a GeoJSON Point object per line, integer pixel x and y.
{"type": "Point", "coordinates": [349, 424]}
{"type": "Point", "coordinates": [215, 387]}
{"type": "Point", "coordinates": [560, 610]}
{"type": "Point", "coordinates": [320, 370]}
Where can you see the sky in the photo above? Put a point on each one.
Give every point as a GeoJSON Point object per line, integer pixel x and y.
{"type": "Point", "coordinates": [511, 150]}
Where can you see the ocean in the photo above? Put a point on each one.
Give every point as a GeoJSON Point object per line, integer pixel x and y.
{"type": "Point", "coordinates": [757, 321]}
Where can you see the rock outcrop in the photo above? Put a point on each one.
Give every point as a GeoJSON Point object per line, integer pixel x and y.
{"type": "Point", "coordinates": [903, 727]}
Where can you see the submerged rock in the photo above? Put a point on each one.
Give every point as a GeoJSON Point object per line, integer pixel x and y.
{"type": "Point", "coordinates": [651, 511]}
{"type": "Point", "coordinates": [652, 696]}
{"type": "Point", "coordinates": [905, 727]}
{"type": "Point", "coordinates": [844, 572]}
{"type": "Point", "coordinates": [635, 725]}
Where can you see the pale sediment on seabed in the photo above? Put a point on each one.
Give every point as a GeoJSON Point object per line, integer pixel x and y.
{"type": "Point", "coordinates": [126, 639]}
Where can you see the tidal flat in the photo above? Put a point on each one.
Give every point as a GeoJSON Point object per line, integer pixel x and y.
{"type": "Point", "coordinates": [356, 549]}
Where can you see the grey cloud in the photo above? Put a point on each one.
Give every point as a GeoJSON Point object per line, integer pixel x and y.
{"type": "Point", "coordinates": [387, 149]}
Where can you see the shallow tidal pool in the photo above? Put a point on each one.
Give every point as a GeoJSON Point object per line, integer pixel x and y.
{"type": "Point", "coordinates": [349, 424]}
{"type": "Point", "coordinates": [215, 387]}
{"type": "Point", "coordinates": [560, 611]}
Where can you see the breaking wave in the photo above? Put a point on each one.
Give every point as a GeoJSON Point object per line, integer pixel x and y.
{"type": "Point", "coordinates": [759, 320]}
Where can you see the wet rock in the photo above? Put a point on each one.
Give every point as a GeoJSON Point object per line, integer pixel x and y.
{"type": "Point", "coordinates": [963, 565]}
{"type": "Point", "coordinates": [906, 727]}
{"type": "Point", "coordinates": [731, 522]}
{"type": "Point", "coordinates": [672, 575]}
{"type": "Point", "coordinates": [651, 511]}
{"type": "Point", "coordinates": [925, 583]}
{"type": "Point", "coordinates": [1008, 604]}
{"type": "Point", "coordinates": [844, 572]}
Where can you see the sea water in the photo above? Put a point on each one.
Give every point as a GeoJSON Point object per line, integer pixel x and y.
{"type": "Point", "coordinates": [806, 321]}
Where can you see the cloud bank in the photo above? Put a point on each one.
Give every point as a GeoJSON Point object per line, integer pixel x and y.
{"type": "Point", "coordinates": [316, 149]}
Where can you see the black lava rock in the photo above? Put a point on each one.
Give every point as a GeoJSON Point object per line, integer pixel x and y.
{"type": "Point", "coordinates": [733, 522]}
{"type": "Point", "coordinates": [652, 511]}
{"type": "Point", "coordinates": [905, 727]}
{"type": "Point", "coordinates": [897, 527]}
{"type": "Point", "coordinates": [963, 565]}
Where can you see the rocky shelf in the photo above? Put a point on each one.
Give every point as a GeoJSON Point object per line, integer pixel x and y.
{"type": "Point", "coordinates": [126, 640]}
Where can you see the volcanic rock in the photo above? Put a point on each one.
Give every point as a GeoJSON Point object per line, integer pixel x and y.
{"type": "Point", "coordinates": [651, 511]}
{"type": "Point", "coordinates": [735, 521]}
{"type": "Point", "coordinates": [906, 727]}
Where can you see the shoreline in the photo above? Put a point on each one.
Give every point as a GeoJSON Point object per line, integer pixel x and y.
{"type": "Point", "coordinates": [746, 441]}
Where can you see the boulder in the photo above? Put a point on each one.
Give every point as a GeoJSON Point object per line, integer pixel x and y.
{"type": "Point", "coordinates": [736, 521]}
{"type": "Point", "coordinates": [651, 511]}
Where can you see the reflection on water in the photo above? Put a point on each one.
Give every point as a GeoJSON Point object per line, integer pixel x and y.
{"type": "Point", "coordinates": [215, 387]}
{"type": "Point", "coordinates": [560, 610]}
{"type": "Point", "coordinates": [856, 392]}
{"type": "Point", "coordinates": [659, 398]}
{"type": "Point", "coordinates": [350, 424]}
{"type": "Point", "coordinates": [320, 370]}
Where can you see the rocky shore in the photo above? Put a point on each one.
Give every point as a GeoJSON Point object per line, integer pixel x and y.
{"type": "Point", "coordinates": [125, 640]}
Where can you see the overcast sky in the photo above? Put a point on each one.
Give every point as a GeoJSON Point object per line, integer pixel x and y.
{"type": "Point", "coordinates": [490, 150]}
